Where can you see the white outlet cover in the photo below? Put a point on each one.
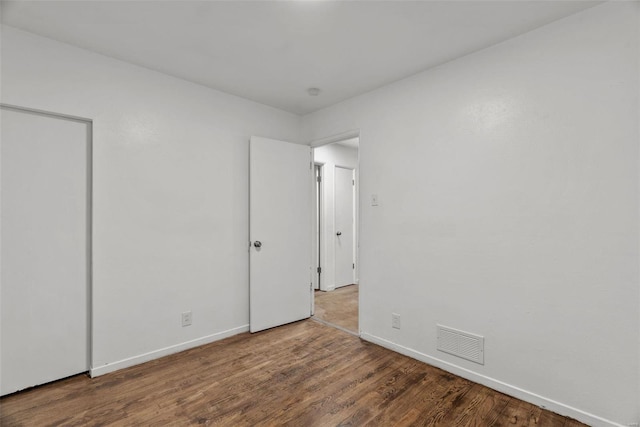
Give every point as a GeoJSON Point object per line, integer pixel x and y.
{"type": "Point", "coordinates": [374, 200]}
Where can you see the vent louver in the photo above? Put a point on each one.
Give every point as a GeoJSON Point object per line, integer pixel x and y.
{"type": "Point", "coordinates": [462, 344]}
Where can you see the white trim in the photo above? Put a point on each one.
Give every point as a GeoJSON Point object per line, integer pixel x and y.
{"type": "Point", "coordinates": [45, 113]}
{"type": "Point", "coordinates": [317, 228]}
{"type": "Point", "coordinates": [156, 354]}
{"type": "Point", "coordinates": [335, 138]}
{"type": "Point", "coordinates": [511, 390]}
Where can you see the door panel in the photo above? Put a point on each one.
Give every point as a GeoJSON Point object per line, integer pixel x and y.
{"type": "Point", "coordinates": [280, 219]}
{"type": "Point", "coordinates": [44, 255]}
{"type": "Point", "coordinates": [345, 231]}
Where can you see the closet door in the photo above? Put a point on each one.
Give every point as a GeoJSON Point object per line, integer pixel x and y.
{"type": "Point", "coordinates": [44, 288]}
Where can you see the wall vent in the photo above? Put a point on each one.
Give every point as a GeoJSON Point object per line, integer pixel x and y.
{"type": "Point", "coordinates": [461, 344]}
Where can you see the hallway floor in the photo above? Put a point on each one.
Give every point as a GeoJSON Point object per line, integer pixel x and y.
{"type": "Point", "coordinates": [338, 307]}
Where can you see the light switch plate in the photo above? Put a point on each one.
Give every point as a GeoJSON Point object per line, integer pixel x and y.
{"type": "Point", "coordinates": [186, 318]}
{"type": "Point", "coordinates": [395, 320]}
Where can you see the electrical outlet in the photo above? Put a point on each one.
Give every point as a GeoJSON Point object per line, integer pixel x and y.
{"type": "Point", "coordinates": [374, 200]}
{"type": "Point", "coordinates": [395, 320]}
{"type": "Point", "coordinates": [186, 318]}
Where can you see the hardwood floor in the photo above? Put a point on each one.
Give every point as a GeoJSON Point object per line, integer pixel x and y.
{"type": "Point", "coordinates": [302, 374]}
{"type": "Point", "coordinates": [339, 307]}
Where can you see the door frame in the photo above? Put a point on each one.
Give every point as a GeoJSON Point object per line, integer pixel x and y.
{"type": "Point", "coordinates": [317, 227]}
{"type": "Point", "coordinates": [319, 142]}
{"type": "Point", "coordinates": [89, 219]}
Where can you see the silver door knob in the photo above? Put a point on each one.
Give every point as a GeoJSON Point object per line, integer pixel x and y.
{"type": "Point", "coordinates": [257, 244]}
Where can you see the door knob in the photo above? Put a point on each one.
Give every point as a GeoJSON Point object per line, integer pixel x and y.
{"type": "Point", "coordinates": [257, 244]}
{"type": "Point", "coordinates": [339, 233]}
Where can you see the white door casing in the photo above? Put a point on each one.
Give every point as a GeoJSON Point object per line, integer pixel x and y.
{"type": "Point", "coordinates": [44, 248]}
{"type": "Point", "coordinates": [318, 205]}
{"type": "Point", "coordinates": [280, 217]}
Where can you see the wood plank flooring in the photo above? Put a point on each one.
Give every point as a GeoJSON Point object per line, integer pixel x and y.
{"type": "Point", "coordinates": [302, 374]}
{"type": "Point", "coordinates": [339, 307]}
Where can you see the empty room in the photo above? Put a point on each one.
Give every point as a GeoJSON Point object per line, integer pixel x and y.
{"type": "Point", "coordinates": [191, 189]}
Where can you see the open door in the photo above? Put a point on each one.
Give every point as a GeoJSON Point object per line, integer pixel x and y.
{"type": "Point", "coordinates": [280, 179]}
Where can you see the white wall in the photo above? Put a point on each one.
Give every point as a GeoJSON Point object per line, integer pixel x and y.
{"type": "Point", "coordinates": [508, 191]}
{"type": "Point", "coordinates": [170, 193]}
{"type": "Point", "coordinates": [330, 156]}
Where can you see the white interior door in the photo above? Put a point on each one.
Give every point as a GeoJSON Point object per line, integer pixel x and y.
{"type": "Point", "coordinates": [44, 248]}
{"type": "Point", "coordinates": [317, 229]}
{"type": "Point", "coordinates": [345, 230]}
{"type": "Point", "coordinates": [280, 179]}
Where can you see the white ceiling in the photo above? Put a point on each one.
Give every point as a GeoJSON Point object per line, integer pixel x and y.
{"type": "Point", "coordinates": [272, 51]}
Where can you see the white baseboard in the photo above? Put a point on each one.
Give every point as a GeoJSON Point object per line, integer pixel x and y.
{"type": "Point", "coordinates": [156, 354]}
{"type": "Point", "coordinates": [543, 402]}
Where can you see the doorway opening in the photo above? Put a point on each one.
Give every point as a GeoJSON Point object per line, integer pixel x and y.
{"type": "Point", "coordinates": [335, 235]}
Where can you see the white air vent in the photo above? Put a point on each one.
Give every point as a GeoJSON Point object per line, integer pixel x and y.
{"type": "Point", "coordinates": [461, 344]}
